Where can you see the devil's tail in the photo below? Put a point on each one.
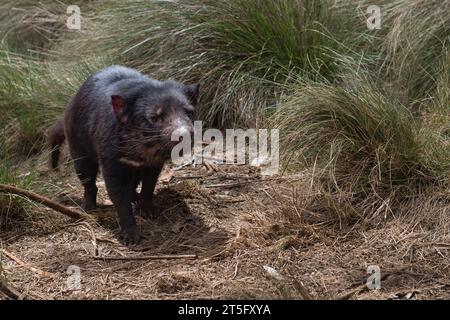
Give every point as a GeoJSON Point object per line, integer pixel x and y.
{"type": "Point", "coordinates": [56, 138]}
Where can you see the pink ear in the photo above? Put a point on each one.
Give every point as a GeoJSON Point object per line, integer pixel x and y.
{"type": "Point", "coordinates": [119, 108]}
{"type": "Point", "coordinates": [118, 104]}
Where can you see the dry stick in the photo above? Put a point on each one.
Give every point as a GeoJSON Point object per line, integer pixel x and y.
{"type": "Point", "coordinates": [209, 167]}
{"type": "Point", "coordinates": [300, 287]}
{"type": "Point", "coordinates": [229, 185]}
{"type": "Point", "coordinates": [26, 265]}
{"type": "Point", "coordinates": [160, 257]}
{"type": "Point", "coordinates": [236, 184]}
{"type": "Point", "coordinates": [360, 288]}
{"type": "Point", "coordinates": [189, 177]}
{"type": "Point", "coordinates": [44, 201]}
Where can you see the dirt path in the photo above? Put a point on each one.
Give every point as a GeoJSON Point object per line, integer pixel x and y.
{"type": "Point", "coordinates": [237, 223]}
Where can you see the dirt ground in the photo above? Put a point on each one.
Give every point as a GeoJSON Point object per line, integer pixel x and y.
{"type": "Point", "coordinates": [238, 224]}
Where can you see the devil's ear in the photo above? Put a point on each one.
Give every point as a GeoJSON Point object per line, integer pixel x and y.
{"type": "Point", "coordinates": [119, 107]}
{"type": "Point", "coordinates": [192, 92]}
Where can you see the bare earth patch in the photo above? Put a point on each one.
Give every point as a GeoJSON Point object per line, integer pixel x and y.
{"type": "Point", "coordinates": [235, 222]}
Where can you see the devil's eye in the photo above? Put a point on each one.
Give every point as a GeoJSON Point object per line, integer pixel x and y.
{"type": "Point", "coordinates": [190, 112]}
{"type": "Point", "coordinates": [156, 114]}
{"type": "Point", "coordinates": [154, 118]}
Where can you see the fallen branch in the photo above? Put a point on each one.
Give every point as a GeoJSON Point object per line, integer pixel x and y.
{"type": "Point", "coordinates": [44, 201]}
{"type": "Point", "coordinates": [159, 257]}
{"type": "Point", "coordinates": [26, 265]}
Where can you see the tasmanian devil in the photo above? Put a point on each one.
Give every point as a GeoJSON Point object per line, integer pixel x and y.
{"type": "Point", "coordinates": [122, 121]}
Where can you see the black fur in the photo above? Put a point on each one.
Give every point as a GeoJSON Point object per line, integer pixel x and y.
{"type": "Point", "coordinates": [123, 121]}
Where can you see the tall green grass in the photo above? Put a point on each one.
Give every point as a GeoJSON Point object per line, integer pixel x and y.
{"type": "Point", "coordinates": [11, 206]}
{"type": "Point", "coordinates": [36, 26]}
{"type": "Point", "coordinates": [33, 94]}
{"type": "Point", "coordinates": [241, 49]}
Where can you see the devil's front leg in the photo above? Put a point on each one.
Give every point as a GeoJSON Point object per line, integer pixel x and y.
{"type": "Point", "coordinates": [121, 187]}
{"type": "Point", "coordinates": [149, 176]}
{"type": "Point", "coordinates": [136, 180]}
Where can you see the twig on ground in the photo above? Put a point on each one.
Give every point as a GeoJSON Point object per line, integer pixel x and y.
{"type": "Point", "coordinates": [26, 265]}
{"type": "Point", "coordinates": [186, 164]}
{"type": "Point", "coordinates": [44, 201]}
{"type": "Point", "coordinates": [229, 185]}
{"type": "Point", "coordinates": [300, 287]}
{"type": "Point", "coordinates": [209, 167]}
{"type": "Point", "coordinates": [236, 269]}
{"type": "Point", "coordinates": [189, 177]}
{"type": "Point", "coordinates": [159, 257]}
{"type": "Point", "coordinates": [239, 183]}
{"type": "Point", "coordinates": [421, 289]}
{"type": "Point", "coordinates": [360, 288]}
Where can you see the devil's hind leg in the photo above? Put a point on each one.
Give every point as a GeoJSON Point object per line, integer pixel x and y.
{"type": "Point", "coordinates": [86, 170]}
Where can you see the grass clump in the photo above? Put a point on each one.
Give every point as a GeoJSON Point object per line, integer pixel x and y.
{"type": "Point", "coordinates": [37, 26]}
{"type": "Point", "coordinates": [32, 95]}
{"type": "Point", "coordinates": [416, 38]}
{"type": "Point", "coordinates": [11, 206]}
{"type": "Point", "coordinates": [241, 49]}
{"type": "Point", "coordinates": [361, 141]}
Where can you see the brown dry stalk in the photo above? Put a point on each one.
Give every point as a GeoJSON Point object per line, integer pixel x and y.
{"type": "Point", "coordinates": [240, 183]}
{"type": "Point", "coordinates": [360, 288]}
{"type": "Point", "coordinates": [159, 257]}
{"type": "Point", "coordinates": [300, 287]}
{"type": "Point", "coordinates": [26, 265]}
{"type": "Point", "coordinates": [72, 213]}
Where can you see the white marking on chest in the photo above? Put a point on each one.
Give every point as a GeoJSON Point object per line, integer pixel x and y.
{"type": "Point", "coordinates": [132, 163]}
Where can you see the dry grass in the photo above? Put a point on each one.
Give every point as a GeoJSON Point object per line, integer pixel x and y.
{"type": "Point", "coordinates": [418, 38]}
{"type": "Point", "coordinates": [235, 232]}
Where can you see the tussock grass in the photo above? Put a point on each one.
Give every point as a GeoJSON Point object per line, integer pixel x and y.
{"type": "Point", "coordinates": [354, 123]}
{"type": "Point", "coordinates": [364, 145]}
{"type": "Point", "coordinates": [33, 94]}
{"type": "Point", "coordinates": [241, 49]}
{"type": "Point", "coordinates": [11, 207]}
{"type": "Point", "coordinates": [435, 115]}
{"type": "Point", "coordinates": [21, 109]}
{"type": "Point", "coordinates": [416, 39]}
{"type": "Point", "coordinates": [36, 26]}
